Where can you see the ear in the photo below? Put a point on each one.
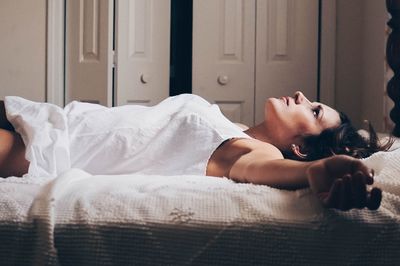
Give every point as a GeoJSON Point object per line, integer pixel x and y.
{"type": "Point", "coordinates": [296, 151]}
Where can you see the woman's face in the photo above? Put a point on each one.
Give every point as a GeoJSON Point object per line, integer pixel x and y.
{"type": "Point", "coordinates": [292, 117]}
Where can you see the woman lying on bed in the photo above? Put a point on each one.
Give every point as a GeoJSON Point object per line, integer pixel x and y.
{"type": "Point", "coordinates": [299, 144]}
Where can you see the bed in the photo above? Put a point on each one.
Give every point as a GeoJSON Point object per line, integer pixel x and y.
{"type": "Point", "coordinates": [82, 219]}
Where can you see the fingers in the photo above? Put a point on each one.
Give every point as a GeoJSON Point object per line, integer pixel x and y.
{"type": "Point", "coordinates": [333, 197]}
{"type": "Point", "coordinates": [359, 167]}
{"type": "Point", "coordinates": [341, 182]}
{"type": "Point", "coordinates": [370, 177]}
{"type": "Point", "coordinates": [374, 199]}
{"type": "Point", "coordinates": [347, 193]}
{"type": "Point", "coordinates": [359, 190]}
{"type": "Point", "coordinates": [346, 202]}
{"type": "Point", "coordinates": [351, 192]}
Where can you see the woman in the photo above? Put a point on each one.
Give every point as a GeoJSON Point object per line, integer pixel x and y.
{"type": "Point", "coordinates": [296, 145]}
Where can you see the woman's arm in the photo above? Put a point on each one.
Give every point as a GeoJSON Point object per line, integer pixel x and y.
{"type": "Point", "coordinates": [258, 167]}
{"type": "Point", "coordinates": [257, 162]}
{"type": "Point", "coordinates": [4, 123]}
{"type": "Point", "coordinates": [339, 181]}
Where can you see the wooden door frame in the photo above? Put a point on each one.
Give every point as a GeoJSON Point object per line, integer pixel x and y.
{"type": "Point", "coordinates": [55, 67]}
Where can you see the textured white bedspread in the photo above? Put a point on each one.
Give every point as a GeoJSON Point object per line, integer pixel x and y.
{"type": "Point", "coordinates": [81, 219]}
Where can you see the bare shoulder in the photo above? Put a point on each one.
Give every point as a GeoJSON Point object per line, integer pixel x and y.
{"type": "Point", "coordinates": [232, 150]}
{"type": "Point", "coordinates": [254, 146]}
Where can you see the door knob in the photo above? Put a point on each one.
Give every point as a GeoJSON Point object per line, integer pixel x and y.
{"type": "Point", "coordinates": [145, 78]}
{"type": "Point", "coordinates": [223, 80]}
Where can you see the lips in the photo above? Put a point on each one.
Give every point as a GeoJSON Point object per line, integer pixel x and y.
{"type": "Point", "coordinates": [285, 100]}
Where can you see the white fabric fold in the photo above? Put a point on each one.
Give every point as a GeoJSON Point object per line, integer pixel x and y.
{"type": "Point", "coordinates": [44, 130]}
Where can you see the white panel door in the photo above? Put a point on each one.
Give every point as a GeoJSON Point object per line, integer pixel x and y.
{"type": "Point", "coordinates": [142, 51]}
{"type": "Point", "coordinates": [287, 47]}
{"type": "Point", "coordinates": [223, 55]}
{"type": "Point", "coordinates": [89, 51]}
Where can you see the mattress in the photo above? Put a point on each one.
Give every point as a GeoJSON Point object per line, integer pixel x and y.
{"type": "Point", "coordinates": [82, 219]}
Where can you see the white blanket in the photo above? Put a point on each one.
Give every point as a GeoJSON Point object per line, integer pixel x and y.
{"type": "Point", "coordinates": [123, 139]}
{"type": "Point", "coordinates": [81, 219]}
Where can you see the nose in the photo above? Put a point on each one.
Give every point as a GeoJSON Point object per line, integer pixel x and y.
{"type": "Point", "coordinates": [300, 98]}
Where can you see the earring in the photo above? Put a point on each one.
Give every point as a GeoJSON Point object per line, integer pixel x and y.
{"type": "Point", "coordinates": [297, 152]}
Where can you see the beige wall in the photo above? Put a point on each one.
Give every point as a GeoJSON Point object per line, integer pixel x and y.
{"type": "Point", "coordinates": [348, 70]}
{"type": "Point", "coordinates": [374, 20]}
{"type": "Point", "coordinates": [23, 48]}
{"type": "Point", "coordinates": [360, 45]}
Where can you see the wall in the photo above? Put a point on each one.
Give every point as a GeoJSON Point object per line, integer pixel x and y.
{"type": "Point", "coordinates": [360, 44]}
{"type": "Point", "coordinates": [348, 82]}
{"type": "Point", "coordinates": [23, 48]}
{"type": "Point", "coordinates": [374, 20]}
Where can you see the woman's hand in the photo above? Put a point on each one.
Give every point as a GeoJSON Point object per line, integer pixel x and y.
{"type": "Point", "coordinates": [341, 182]}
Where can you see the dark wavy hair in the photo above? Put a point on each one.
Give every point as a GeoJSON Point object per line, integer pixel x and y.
{"type": "Point", "coordinates": [344, 139]}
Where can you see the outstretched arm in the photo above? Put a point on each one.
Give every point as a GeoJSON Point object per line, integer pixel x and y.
{"type": "Point", "coordinates": [338, 182]}
{"type": "Point", "coordinates": [4, 123]}
{"type": "Point", "coordinates": [259, 167]}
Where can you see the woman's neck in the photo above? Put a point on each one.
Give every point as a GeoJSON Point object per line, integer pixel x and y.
{"type": "Point", "coordinates": [263, 133]}
{"type": "Point", "coordinates": [258, 132]}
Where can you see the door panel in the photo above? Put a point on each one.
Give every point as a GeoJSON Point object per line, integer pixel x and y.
{"type": "Point", "coordinates": [89, 51]}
